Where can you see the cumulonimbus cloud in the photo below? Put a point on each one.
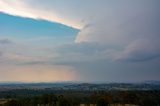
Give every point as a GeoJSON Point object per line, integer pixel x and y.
{"type": "Point", "coordinates": [124, 30]}
{"type": "Point", "coordinates": [113, 23]}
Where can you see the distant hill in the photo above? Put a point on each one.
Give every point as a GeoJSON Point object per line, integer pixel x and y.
{"type": "Point", "coordinates": [148, 85]}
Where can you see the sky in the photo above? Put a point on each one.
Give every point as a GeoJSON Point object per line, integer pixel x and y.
{"type": "Point", "coordinates": [79, 40]}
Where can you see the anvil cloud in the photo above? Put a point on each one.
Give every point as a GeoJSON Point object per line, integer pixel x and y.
{"type": "Point", "coordinates": [122, 34]}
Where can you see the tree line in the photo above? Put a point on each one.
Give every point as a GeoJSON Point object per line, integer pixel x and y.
{"type": "Point", "coordinates": [100, 98]}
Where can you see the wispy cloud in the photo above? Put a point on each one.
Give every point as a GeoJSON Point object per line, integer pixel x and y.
{"type": "Point", "coordinates": [5, 41]}
{"type": "Point", "coordinates": [140, 50]}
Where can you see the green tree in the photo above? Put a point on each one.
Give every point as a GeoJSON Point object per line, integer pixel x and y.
{"type": "Point", "coordinates": [102, 102]}
{"type": "Point", "coordinates": [63, 102]}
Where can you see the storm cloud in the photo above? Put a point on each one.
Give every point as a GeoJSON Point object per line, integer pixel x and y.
{"type": "Point", "coordinates": [113, 38]}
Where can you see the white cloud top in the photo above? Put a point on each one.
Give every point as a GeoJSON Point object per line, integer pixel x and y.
{"type": "Point", "coordinates": [37, 10]}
